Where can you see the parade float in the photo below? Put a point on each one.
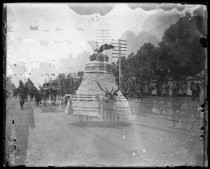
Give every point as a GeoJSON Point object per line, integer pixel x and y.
{"type": "Point", "coordinates": [86, 102]}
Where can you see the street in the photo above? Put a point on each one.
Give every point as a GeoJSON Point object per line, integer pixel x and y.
{"type": "Point", "coordinates": [49, 137]}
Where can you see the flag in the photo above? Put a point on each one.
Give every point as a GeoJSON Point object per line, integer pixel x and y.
{"type": "Point", "coordinates": [33, 27]}
{"type": "Point", "coordinates": [44, 43]}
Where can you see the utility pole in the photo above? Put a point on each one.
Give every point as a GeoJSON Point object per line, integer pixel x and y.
{"type": "Point", "coordinates": [102, 36]}
{"type": "Point", "coordinates": [118, 47]}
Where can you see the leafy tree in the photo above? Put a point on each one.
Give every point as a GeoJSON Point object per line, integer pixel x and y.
{"type": "Point", "coordinates": [80, 73]}
{"type": "Point", "coordinates": [180, 49]}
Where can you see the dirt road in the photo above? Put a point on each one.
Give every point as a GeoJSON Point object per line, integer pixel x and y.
{"type": "Point", "coordinates": [58, 139]}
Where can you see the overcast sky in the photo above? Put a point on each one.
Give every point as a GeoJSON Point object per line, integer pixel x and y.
{"type": "Point", "coordinates": [61, 42]}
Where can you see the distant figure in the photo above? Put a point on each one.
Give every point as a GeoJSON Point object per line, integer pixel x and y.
{"type": "Point", "coordinates": [38, 97]}
{"type": "Point", "coordinates": [154, 90]}
{"type": "Point", "coordinates": [193, 89]}
{"type": "Point", "coordinates": [164, 89]}
{"type": "Point", "coordinates": [184, 89]}
{"type": "Point", "coordinates": [69, 108]}
{"type": "Point", "coordinates": [21, 91]}
{"type": "Point", "coordinates": [170, 86]}
{"type": "Point", "coordinates": [197, 91]}
{"type": "Point", "coordinates": [189, 92]}
{"type": "Point", "coordinates": [201, 94]}
{"type": "Point", "coordinates": [15, 93]}
{"type": "Point", "coordinates": [139, 91]}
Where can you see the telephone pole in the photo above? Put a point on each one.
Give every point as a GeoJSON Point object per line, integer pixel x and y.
{"type": "Point", "coordinates": [120, 48]}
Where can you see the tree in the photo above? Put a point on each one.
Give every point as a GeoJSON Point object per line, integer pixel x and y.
{"type": "Point", "coordinates": [93, 57]}
{"type": "Point", "coordinates": [80, 73]}
{"type": "Point", "coordinates": [145, 60]}
{"type": "Point", "coordinates": [180, 48]}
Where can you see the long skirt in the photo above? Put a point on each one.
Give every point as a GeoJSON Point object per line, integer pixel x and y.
{"type": "Point", "coordinates": [170, 92]}
{"type": "Point", "coordinates": [201, 95]}
{"type": "Point", "coordinates": [189, 92]}
{"type": "Point", "coordinates": [154, 92]}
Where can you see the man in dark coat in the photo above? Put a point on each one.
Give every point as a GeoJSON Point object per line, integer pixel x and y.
{"type": "Point", "coordinates": [38, 97]}
{"type": "Point", "coordinates": [21, 91]}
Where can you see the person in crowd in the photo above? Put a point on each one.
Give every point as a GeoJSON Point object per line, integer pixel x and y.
{"type": "Point", "coordinates": [189, 92]}
{"type": "Point", "coordinates": [21, 91]}
{"type": "Point", "coordinates": [37, 97]}
{"type": "Point", "coordinates": [197, 95]}
{"type": "Point", "coordinates": [154, 89]}
{"type": "Point", "coordinates": [170, 87]}
{"type": "Point", "coordinates": [164, 92]}
{"type": "Point", "coordinates": [132, 90]}
{"type": "Point", "coordinates": [26, 93]}
{"type": "Point", "coordinates": [146, 89]}
{"type": "Point", "coordinates": [201, 94]}
{"type": "Point", "coordinates": [69, 108]}
{"type": "Point", "coordinates": [194, 90]}
{"type": "Point", "coordinates": [139, 91]}
{"type": "Point", "coordinates": [183, 89]}
{"type": "Point", "coordinates": [15, 93]}
{"type": "Point", "coordinates": [150, 88]}
{"type": "Point", "coordinates": [180, 88]}
{"type": "Point", "coordinates": [175, 88]}
{"type": "Point", "coordinates": [159, 87]}
{"type": "Point", "coordinates": [123, 90]}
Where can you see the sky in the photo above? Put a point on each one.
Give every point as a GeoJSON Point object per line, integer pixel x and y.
{"type": "Point", "coordinates": [58, 38]}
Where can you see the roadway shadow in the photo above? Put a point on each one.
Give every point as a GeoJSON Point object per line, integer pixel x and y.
{"type": "Point", "coordinates": [24, 122]}
{"type": "Point", "coordinates": [102, 124]}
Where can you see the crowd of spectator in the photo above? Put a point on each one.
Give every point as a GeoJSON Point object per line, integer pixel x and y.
{"type": "Point", "coordinates": [193, 88]}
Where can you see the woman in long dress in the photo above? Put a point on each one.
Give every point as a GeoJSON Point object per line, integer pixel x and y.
{"type": "Point", "coordinates": [183, 89]}
{"type": "Point", "coordinates": [189, 91]}
{"type": "Point", "coordinates": [201, 94]}
{"type": "Point", "coordinates": [180, 88]}
{"type": "Point", "coordinates": [69, 109]}
{"type": "Point", "coordinates": [154, 89]}
{"type": "Point", "coordinates": [170, 86]}
{"type": "Point", "coordinates": [164, 89]}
